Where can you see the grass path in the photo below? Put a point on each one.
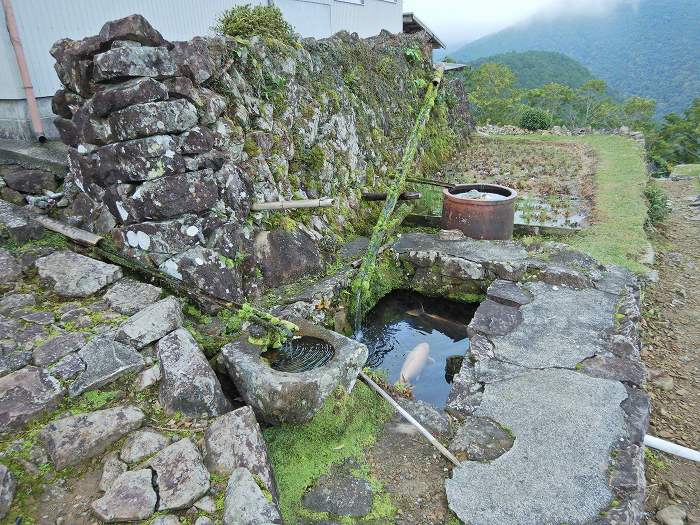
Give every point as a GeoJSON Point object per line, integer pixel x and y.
{"type": "Point", "coordinates": [617, 234]}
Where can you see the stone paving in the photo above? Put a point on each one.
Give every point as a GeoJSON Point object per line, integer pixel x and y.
{"type": "Point", "coordinates": [555, 363]}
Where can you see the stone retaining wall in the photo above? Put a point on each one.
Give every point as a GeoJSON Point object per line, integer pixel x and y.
{"type": "Point", "coordinates": [171, 143]}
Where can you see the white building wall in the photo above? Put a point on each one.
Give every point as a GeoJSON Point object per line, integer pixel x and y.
{"type": "Point", "coordinates": [42, 22]}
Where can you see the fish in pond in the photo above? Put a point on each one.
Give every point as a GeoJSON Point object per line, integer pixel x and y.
{"type": "Point", "coordinates": [415, 362]}
{"type": "Point", "coordinates": [452, 329]}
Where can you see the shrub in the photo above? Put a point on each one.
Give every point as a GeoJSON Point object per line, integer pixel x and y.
{"type": "Point", "coordinates": [245, 21]}
{"type": "Point", "coordinates": [534, 119]}
{"type": "Point", "coordinates": [658, 205]}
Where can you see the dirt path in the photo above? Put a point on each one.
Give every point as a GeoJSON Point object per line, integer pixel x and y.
{"type": "Point", "coordinates": [672, 355]}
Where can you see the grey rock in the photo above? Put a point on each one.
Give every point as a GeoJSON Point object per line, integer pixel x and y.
{"type": "Point", "coordinates": [58, 347]}
{"type": "Point", "coordinates": [188, 383]}
{"type": "Point", "coordinates": [128, 297]}
{"type": "Point", "coordinates": [105, 361]}
{"type": "Point", "coordinates": [672, 515]}
{"type": "Point", "coordinates": [65, 103]}
{"type": "Point", "coordinates": [508, 293]}
{"type": "Point", "coordinates": [234, 440]}
{"type": "Point", "coordinates": [565, 424]}
{"type": "Point", "coordinates": [25, 395]}
{"type": "Point", "coordinates": [30, 180]}
{"type": "Point", "coordinates": [142, 444]}
{"type": "Point", "coordinates": [168, 197]}
{"type": "Point", "coordinates": [492, 318]}
{"type": "Point", "coordinates": [207, 270]}
{"type": "Point", "coordinates": [206, 504]}
{"type": "Point", "coordinates": [10, 270]}
{"type": "Point", "coordinates": [169, 519]}
{"type": "Point", "coordinates": [68, 367]}
{"type": "Point", "coordinates": [153, 118]}
{"type": "Point", "coordinates": [163, 239]}
{"type": "Point", "coordinates": [40, 318]}
{"type": "Point", "coordinates": [13, 361]}
{"type": "Point", "coordinates": [663, 382]}
{"type": "Point", "coordinates": [562, 276]}
{"type": "Point", "coordinates": [14, 301]}
{"type": "Point", "coordinates": [628, 483]}
{"type": "Point", "coordinates": [180, 474]}
{"type": "Point", "coordinates": [285, 256]}
{"type": "Point", "coordinates": [124, 94]}
{"type": "Point", "coordinates": [637, 409]}
{"type": "Point", "coordinates": [134, 28]}
{"type": "Point", "coordinates": [129, 161]}
{"type": "Point", "coordinates": [194, 59]}
{"type": "Point", "coordinates": [624, 370]}
{"type": "Point", "coordinates": [8, 327]}
{"type": "Point", "coordinates": [151, 323]}
{"type": "Point", "coordinates": [435, 421]}
{"type": "Point", "coordinates": [74, 275]}
{"type": "Point", "coordinates": [111, 470]}
{"type": "Point", "coordinates": [204, 520]}
{"type": "Point", "coordinates": [74, 439]}
{"type": "Point", "coordinates": [130, 61]}
{"type": "Point", "coordinates": [129, 498]}
{"type": "Point", "coordinates": [7, 490]}
{"type": "Point", "coordinates": [245, 503]}
{"type": "Point", "coordinates": [340, 495]}
{"type": "Point", "coordinates": [480, 439]}
{"type": "Point", "coordinates": [279, 397]}
{"type": "Point", "coordinates": [18, 225]}
{"type": "Point", "coordinates": [197, 140]}
{"type": "Point", "coordinates": [147, 378]}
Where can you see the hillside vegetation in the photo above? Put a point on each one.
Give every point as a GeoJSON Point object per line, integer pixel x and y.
{"type": "Point", "coordinates": [649, 48]}
{"type": "Point", "coordinates": [534, 69]}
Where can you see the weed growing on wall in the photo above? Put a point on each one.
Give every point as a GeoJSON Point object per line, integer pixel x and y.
{"type": "Point", "coordinates": [245, 21]}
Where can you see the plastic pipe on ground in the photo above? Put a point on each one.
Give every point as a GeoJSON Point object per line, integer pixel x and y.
{"type": "Point", "coordinates": [672, 448]}
{"type": "Point", "coordinates": [408, 417]}
{"type": "Point", "coordinates": [293, 205]}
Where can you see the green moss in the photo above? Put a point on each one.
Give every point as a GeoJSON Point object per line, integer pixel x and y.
{"type": "Point", "coordinates": [343, 428]}
{"type": "Point", "coordinates": [251, 147]}
{"type": "Point", "coordinates": [246, 21]}
{"type": "Point", "coordinates": [50, 239]}
{"type": "Point", "coordinates": [93, 400]}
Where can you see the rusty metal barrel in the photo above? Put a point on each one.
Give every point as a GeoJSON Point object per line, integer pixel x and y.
{"type": "Point", "coordinates": [486, 216]}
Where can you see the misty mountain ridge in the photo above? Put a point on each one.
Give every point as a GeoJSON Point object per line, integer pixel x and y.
{"type": "Point", "coordinates": [647, 48]}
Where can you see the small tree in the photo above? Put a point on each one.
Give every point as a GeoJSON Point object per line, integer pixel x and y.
{"type": "Point", "coordinates": [244, 21]}
{"type": "Point", "coordinates": [534, 119]}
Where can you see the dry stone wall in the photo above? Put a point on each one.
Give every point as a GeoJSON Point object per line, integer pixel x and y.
{"type": "Point", "coordinates": [172, 142]}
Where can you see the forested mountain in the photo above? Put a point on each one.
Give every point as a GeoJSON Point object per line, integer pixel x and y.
{"type": "Point", "coordinates": [536, 68]}
{"type": "Point", "coordinates": [649, 48]}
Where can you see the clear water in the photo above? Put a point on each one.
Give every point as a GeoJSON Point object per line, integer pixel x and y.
{"type": "Point", "coordinates": [401, 321]}
{"type": "Point", "coordinates": [300, 354]}
{"type": "Point", "coordinates": [480, 196]}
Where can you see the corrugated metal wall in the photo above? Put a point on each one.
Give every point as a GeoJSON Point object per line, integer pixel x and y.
{"type": "Point", "coordinates": [42, 22]}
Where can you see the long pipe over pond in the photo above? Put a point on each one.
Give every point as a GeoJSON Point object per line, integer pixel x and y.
{"type": "Point", "coordinates": [408, 417]}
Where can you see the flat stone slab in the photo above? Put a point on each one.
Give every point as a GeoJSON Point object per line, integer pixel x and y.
{"type": "Point", "coordinates": [105, 360]}
{"type": "Point", "coordinates": [565, 425]}
{"type": "Point", "coordinates": [561, 327]}
{"type": "Point", "coordinates": [245, 502]}
{"type": "Point", "coordinates": [58, 347]}
{"type": "Point", "coordinates": [18, 224]}
{"type": "Point", "coordinates": [26, 394]}
{"type": "Point", "coordinates": [128, 297]}
{"type": "Point", "coordinates": [151, 323]}
{"type": "Point", "coordinates": [130, 498]}
{"type": "Point", "coordinates": [74, 439]}
{"type": "Point", "coordinates": [74, 275]}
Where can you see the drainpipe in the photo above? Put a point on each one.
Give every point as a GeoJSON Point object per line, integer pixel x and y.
{"type": "Point", "coordinates": [23, 71]}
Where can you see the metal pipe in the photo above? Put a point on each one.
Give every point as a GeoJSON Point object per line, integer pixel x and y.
{"type": "Point", "coordinates": [434, 442]}
{"type": "Point", "coordinates": [293, 205]}
{"type": "Point", "coordinates": [672, 448]}
{"type": "Point", "coordinates": [37, 126]}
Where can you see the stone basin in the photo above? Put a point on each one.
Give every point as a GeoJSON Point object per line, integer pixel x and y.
{"type": "Point", "coordinates": [283, 397]}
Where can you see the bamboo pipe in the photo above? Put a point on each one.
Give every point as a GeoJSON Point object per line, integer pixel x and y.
{"type": "Point", "coordinates": [37, 126]}
{"type": "Point", "coordinates": [408, 417]}
{"type": "Point", "coordinates": [293, 205]}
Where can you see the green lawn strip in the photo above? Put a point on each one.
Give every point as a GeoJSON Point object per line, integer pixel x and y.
{"type": "Point", "coordinates": [344, 428]}
{"type": "Point", "coordinates": [617, 235]}
{"type": "Point", "coordinates": [687, 170]}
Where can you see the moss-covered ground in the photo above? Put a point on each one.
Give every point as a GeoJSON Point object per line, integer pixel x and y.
{"type": "Point", "coordinates": [343, 429]}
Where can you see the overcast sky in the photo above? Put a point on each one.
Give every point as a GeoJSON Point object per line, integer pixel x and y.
{"type": "Point", "coordinates": [459, 21]}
